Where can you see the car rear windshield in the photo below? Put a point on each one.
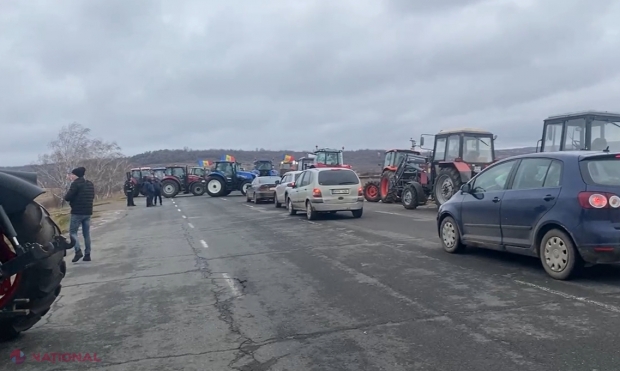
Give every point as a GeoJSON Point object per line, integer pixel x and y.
{"type": "Point", "coordinates": [338, 177]}
{"type": "Point", "coordinates": [604, 172]}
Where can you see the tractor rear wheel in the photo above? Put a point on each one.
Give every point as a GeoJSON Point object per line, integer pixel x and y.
{"type": "Point", "coordinates": [216, 187]}
{"type": "Point", "coordinates": [447, 184]}
{"type": "Point", "coordinates": [197, 189]}
{"type": "Point", "coordinates": [388, 193]}
{"type": "Point", "coordinates": [371, 191]}
{"type": "Point", "coordinates": [40, 283]}
{"type": "Point", "coordinates": [169, 188]}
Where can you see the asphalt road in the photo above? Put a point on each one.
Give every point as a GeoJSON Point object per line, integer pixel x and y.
{"type": "Point", "coordinates": [218, 284]}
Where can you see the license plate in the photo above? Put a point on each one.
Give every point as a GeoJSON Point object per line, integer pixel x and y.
{"type": "Point", "coordinates": [340, 191]}
{"type": "Point", "coordinates": [477, 169]}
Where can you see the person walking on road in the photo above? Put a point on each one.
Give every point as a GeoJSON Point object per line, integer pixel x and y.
{"type": "Point", "coordinates": [149, 192]}
{"type": "Point", "coordinates": [81, 195]}
{"type": "Point", "coordinates": [157, 188]}
{"type": "Point", "coordinates": [129, 189]}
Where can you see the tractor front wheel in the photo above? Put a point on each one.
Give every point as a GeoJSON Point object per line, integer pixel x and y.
{"type": "Point", "coordinates": [371, 191]}
{"type": "Point", "coordinates": [447, 184]}
{"type": "Point", "coordinates": [197, 189]}
{"type": "Point", "coordinates": [244, 187]}
{"type": "Point", "coordinates": [169, 188]}
{"type": "Point", "coordinates": [216, 187]}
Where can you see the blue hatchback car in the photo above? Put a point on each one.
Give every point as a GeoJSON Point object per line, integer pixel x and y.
{"type": "Point", "coordinates": [562, 207]}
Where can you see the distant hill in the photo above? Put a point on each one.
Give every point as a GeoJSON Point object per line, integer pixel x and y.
{"type": "Point", "coordinates": [363, 160]}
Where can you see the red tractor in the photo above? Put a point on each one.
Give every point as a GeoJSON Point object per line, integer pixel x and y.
{"type": "Point", "coordinates": [384, 190]}
{"type": "Point", "coordinates": [327, 157]}
{"type": "Point", "coordinates": [180, 179]}
{"type": "Point", "coordinates": [457, 156]}
{"type": "Point", "coordinates": [138, 174]}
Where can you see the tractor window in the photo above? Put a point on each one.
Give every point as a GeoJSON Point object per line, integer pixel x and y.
{"type": "Point", "coordinates": [332, 158]}
{"type": "Point", "coordinates": [321, 158]}
{"type": "Point", "coordinates": [553, 135]}
{"type": "Point", "coordinates": [477, 149]}
{"type": "Point", "coordinates": [225, 168]}
{"type": "Point", "coordinates": [454, 142]}
{"type": "Point", "coordinates": [440, 150]}
{"type": "Point", "coordinates": [399, 157]}
{"type": "Point", "coordinates": [575, 137]}
{"type": "Point", "coordinates": [136, 174]}
{"type": "Point", "coordinates": [263, 165]}
{"type": "Point", "coordinates": [200, 172]}
{"type": "Point", "coordinates": [178, 172]}
{"type": "Point", "coordinates": [605, 134]}
{"type": "Point", "coordinates": [388, 159]}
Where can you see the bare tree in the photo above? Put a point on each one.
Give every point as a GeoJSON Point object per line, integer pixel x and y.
{"type": "Point", "coordinates": [105, 164]}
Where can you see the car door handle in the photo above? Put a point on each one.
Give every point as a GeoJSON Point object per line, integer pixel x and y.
{"type": "Point", "coordinates": [548, 198]}
{"type": "Point", "coordinates": [496, 199]}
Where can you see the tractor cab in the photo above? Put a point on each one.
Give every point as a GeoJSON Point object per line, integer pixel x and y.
{"type": "Point", "coordinates": [264, 168]}
{"type": "Point", "coordinates": [139, 173]}
{"type": "Point", "coordinates": [585, 131]}
{"type": "Point", "coordinates": [197, 171]}
{"type": "Point", "coordinates": [327, 157]}
{"type": "Point", "coordinates": [305, 162]}
{"type": "Point", "coordinates": [286, 166]}
{"type": "Point", "coordinates": [457, 156]}
{"type": "Point", "coordinates": [158, 172]}
{"type": "Point", "coordinates": [394, 157]}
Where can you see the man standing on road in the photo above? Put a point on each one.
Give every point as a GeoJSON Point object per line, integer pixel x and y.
{"type": "Point", "coordinates": [149, 192]}
{"type": "Point", "coordinates": [157, 188]}
{"type": "Point", "coordinates": [129, 189]}
{"type": "Point", "coordinates": [80, 196]}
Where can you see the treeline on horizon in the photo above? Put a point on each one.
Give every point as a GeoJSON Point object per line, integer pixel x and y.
{"type": "Point", "coordinates": [362, 160]}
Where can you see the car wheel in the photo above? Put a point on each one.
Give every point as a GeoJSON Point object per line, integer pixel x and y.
{"type": "Point", "coordinates": [357, 213]}
{"type": "Point", "coordinates": [310, 212]}
{"type": "Point", "coordinates": [289, 205]}
{"type": "Point", "coordinates": [559, 256]}
{"type": "Point", "coordinates": [450, 236]}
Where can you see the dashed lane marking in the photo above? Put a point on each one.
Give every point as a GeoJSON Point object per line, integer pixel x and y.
{"type": "Point", "coordinates": [184, 217]}
{"type": "Point", "coordinates": [179, 210]}
{"type": "Point", "coordinates": [190, 225]}
{"type": "Point", "coordinates": [231, 283]}
{"type": "Point", "coordinates": [204, 244]}
{"type": "Point", "coordinates": [609, 307]}
{"type": "Point", "coordinates": [224, 199]}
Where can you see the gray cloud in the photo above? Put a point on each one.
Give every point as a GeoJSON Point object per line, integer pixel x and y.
{"type": "Point", "coordinates": [280, 74]}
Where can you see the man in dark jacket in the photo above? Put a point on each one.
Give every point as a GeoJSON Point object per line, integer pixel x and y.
{"type": "Point", "coordinates": [157, 187]}
{"type": "Point", "coordinates": [149, 192]}
{"type": "Point", "coordinates": [80, 196]}
{"type": "Point", "coordinates": [129, 189]}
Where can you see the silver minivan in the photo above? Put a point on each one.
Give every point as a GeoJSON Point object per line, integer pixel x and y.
{"type": "Point", "coordinates": [326, 190]}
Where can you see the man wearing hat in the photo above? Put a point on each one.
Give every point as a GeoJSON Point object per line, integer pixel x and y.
{"type": "Point", "coordinates": [80, 196]}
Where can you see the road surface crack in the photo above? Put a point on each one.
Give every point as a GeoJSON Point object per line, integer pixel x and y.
{"type": "Point", "coordinates": [169, 356]}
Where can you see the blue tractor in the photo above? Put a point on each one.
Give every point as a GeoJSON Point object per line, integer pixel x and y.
{"type": "Point", "coordinates": [226, 177]}
{"type": "Point", "coordinates": [264, 168]}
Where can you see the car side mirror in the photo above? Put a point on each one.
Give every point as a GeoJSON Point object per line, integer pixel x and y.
{"type": "Point", "coordinates": [277, 182]}
{"type": "Point", "coordinates": [466, 188]}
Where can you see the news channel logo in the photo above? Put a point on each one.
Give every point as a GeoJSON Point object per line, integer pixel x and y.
{"type": "Point", "coordinates": [18, 357]}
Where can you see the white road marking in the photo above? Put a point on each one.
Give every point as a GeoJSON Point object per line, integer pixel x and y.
{"type": "Point", "coordinates": [204, 244]}
{"type": "Point", "coordinates": [190, 225]}
{"type": "Point", "coordinates": [184, 217]}
{"type": "Point", "coordinates": [311, 222]}
{"type": "Point", "coordinates": [387, 212]}
{"type": "Point", "coordinates": [179, 210]}
{"type": "Point", "coordinates": [247, 205]}
{"type": "Point", "coordinates": [224, 199]}
{"type": "Point", "coordinates": [231, 283]}
{"type": "Point", "coordinates": [609, 307]}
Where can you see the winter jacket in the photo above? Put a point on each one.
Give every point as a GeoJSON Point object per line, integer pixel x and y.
{"type": "Point", "coordinates": [157, 186]}
{"type": "Point", "coordinates": [128, 187]}
{"type": "Point", "coordinates": [80, 196]}
{"type": "Point", "coordinates": [148, 188]}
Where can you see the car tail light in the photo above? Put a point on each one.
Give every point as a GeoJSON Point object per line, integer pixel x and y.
{"type": "Point", "coordinates": [598, 200]}
{"type": "Point", "coordinates": [360, 191]}
{"type": "Point", "coordinates": [316, 193]}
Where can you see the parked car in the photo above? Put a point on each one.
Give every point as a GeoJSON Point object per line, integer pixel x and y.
{"type": "Point", "coordinates": [262, 189]}
{"type": "Point", "coordinates": [284, 186]}
{"type": "Point", "coordinates": [562, 207]}
{"type": "Point", "coordinates": [321, 190]}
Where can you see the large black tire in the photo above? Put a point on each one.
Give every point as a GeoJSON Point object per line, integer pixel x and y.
{"type": "Point", "coordinates": [244, 187]}
{"type": "Point", "coordinates": [371, 191]}
{"type": "Point", "coordinates": [447, 184]}
{"type": "Point", "coordinates": [216, 187]}
{"type": "Point", "coordinates": [40, 284]}
{"type": "Point", "coordinates": [170, 188]}
{"type": "Point", "coordinates": [197, 188]}
{"type": "Point", "coordinates": [413, 196]}
{"type": "Point", "coordinates": [388, 193]}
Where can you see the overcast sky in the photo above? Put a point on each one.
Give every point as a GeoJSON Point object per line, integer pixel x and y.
{"type": "Point", "coordinates": [294, 73]}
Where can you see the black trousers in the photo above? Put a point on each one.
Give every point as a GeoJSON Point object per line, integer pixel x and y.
{"type": "Point", "coordinates": [156, 197]}
{"type": "Point", "coordinates": [130, 199]}
{"type": "Point", "coordinates": [149, 199]}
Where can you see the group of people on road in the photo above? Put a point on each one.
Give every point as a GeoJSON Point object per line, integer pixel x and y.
{"type": "Point", "coordinates": [151, 188]}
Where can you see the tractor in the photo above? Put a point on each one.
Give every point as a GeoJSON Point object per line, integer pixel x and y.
{"type": "Point", "coordinates": [327, 157]}
{"type": "Point", "coordinates": [305, 162]}
{"type": "Point", "coordinates": [179, 179]}
{"type": "Point", "coordinates": [158, 172]}
{"type": "Point", "coordinates": [226, 178]}
{"type": "Point", "coordinates": [138, 174]}
{"type": "Point", "coordinates": [286, 166]}
{"type": "Point", "coordinates": [198, 171]}
{"type": "Point", "coordinates": [375, 191]}
{"type": "Point", "coordinates": [457, 156]}
{"type": "Point", "coordinates": [590, 131]}
{"type": "Point", "coordinates": [264, 168]}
